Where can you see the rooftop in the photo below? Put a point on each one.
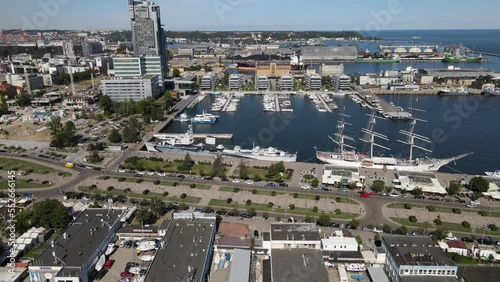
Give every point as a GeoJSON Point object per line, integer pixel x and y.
{"type": "Point", "coordinates": [416, 251]}
{"type": "Point", "coordinates": [184, 251]}
{"type": "Point", "coordinates": [298, 265]}
{"type": "Point", "coordinates": [430, 279]}
{"type": "Point", "coordinates": [240, 269]}
{"type": "Point", "coordinates": [294, 232]}
{"type": "Point", "coordinates": [457, 244]}
{"type": "Point", "coordinates": [233, 229]}
{"type": "Point", "coordinates": [83, 236]}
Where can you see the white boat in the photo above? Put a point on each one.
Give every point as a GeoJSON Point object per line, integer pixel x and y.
{"type": "Point", "coordinates": [100, 263]}
{"type": "Point", "coordinates": [217, 258]}
{"type": "Point", "coordinates": [146, 257]}
{"type": "Point", "coordinates": [135, 270]}
{"type": "Point", "coordinates": [356, 267]}
{"type": "Point", "coordinates": [346, 156]}
{"type": "Point", "coordinates": [495, 174]}
{"type": "Point", "coordinates": [145, 246]}
{"type": "Point", "coordinates": [257, 153]}
{"type": "Point", "coordinates": [204, 118]}
{"type": "Point", "coordinates": [216, 267]}
{"type": "Point", "coordinates": [111, 248]}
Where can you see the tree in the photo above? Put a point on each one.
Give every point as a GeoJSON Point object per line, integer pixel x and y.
{"type": "Point", "coordinates": [403, 229]}
{"type": "Point", "coordinates": [418, 191]}
{"type": "Point", "coordinates": [243, 170]}
{"type": "Point", "coordinates": [129, 135]}
{"type": "Point", "coordinates": [115, 136]}
{"type": "Point", "coordinates": [309, 219]}
{"type": "Point", "coordinates": [62, 135]}
{"type": "Point", "coordinates": [218, 168]}
{"type": "Point", "coordinates": [158, 207]}
{"type": "Point", "coordinates": [176, 73]}
{"type": "Point", "coordinates": [187, 163]}
{"type": "Point", "coordinates": [106, 104]}
{"type": "Point", "coordinates": [387, 229]}
{"type": "Point", "coordinates": [315, 182]}
{"type": "Point", "coordinates": [479, 184]}
{"type": "Point", "coordinates": [454, 188]}
{"type": "Point", "coordinates": [354, 223]}
{"type": "Point", "coordinates": [144, 216]}
{"type": "Point", "coordinates": [49, 213]}
{"type": "Point", "coordinates": [23, 100]}
{"type": "Point", "coordinates": [378, 185]}
{"type": "Point", "coordinates": [94, 157]}
{"type": "Point", "coordinates": [324, 220]}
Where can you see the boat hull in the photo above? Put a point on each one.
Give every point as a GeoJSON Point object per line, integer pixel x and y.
{"type": "Point", "coordinates": [492, 92]}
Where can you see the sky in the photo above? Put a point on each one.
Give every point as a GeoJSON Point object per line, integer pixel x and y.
{"type": "Point", "coordinates": [361, 15]}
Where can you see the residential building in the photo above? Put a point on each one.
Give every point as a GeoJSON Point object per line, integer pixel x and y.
{"type": "Point", "coordinates": [287, 82]}
{"type": "Point", "coordinates": [313, 82]}
{"type": "Point", "coordinates": [417, 259]}
{"type": "Point", "coordinates": [236, 81]}
{"type": "Point", "coordinates": [261, 82]}
{"type": "Point", "coordinates": [190, 236]}
{"type": "Point", "coordinates": [208, 82]}
{"type": "Point", "coordinates": [130, 67]}
{"type": "Point", "coordinates": [73, 255]}
{"type": "Point", "coordinates": [91, 48]}
{"type": "Point", "coordinates": [136, 89]}
{"type": "Point", "coordinates": [147, 33]}
{"type": "Point", "coordinates": [342, 82]}
{"type": "Point", "coordinates": [456, 246]}
{"type": "Point", "coordinates": [185, 86]}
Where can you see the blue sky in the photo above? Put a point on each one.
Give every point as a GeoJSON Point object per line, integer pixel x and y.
{"type": "Point", "coordinates": [258, 14]}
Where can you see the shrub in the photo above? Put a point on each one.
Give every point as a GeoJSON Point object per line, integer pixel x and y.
{"type": "Point", "coordinates": [236, 190]}
{"type": "Point", "coordinates": [229, 200]}
{"type": "Point", "coordinates": [175, 184]}
{"type": "Point", "coordinates": [438, 221]}
{"type": "Point", "coordinates": [270, 205]}
{"type": "Point", "coordinates": [317, 197]}
{"type": "Point", "coordinates": [145, 192]}
{"type": "Point", "coordinates": [295, 195]}
{"type": "Point", "coordinates": [265, 215]}
{"type": "Point", "coordinates": [408, 206]}
{"type": "Point", "coordinates": [139, 180]}
{"type": "Point", "coordinates": [192, 186]}
{"type": "Point", "coordinates": [127, 190]}
{"type": "Point", "coordinates": [254, 191]}
{"type": "Point", "coordinates": [431, 208]}
{"type": "Point", "coordinates": [338, 211]}
{"type": "Point", "coordinates": [457, 211]}
{"type": "Point", "coordinates": [315, 209]}
{"type": "Point", "coordinates": [465, 224]}
{"type": "Point", "coordinates": [165, 194]}
{"type": "Point", "coordinates": [45, 182]}
{"type": "Point", "coordinates": [156, 182]}
{"type": "Point", "coordinates": [483, 213]}
{"type": "Point", "coordinates": [110, 188]}
{"type": "Point", "coordinates": [183, 196]}
{"type": "Point", "coordinates": [92, 187]}
{"type": "Point", "coordinates": [105, 177]}
{"type": "Point", "coordinates": [493, 227]}
{"type": "Point", "coordinates": [248, 202]}
{"type": "Point", "coordinates": [412, 218]}
{"type": "Point", "coordinates": [291, 206]}
{"type": "Point", "coordinates": [338, 200]}
{"type": "Point", "coordinates": [29, 180]}
{"type": "Point", "coordinates": [273, 193]}
{"type": "Point", "coordinates": [121, 179]}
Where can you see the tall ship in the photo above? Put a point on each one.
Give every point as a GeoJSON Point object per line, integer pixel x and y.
{"type": "Point", "coordinates": [262, 154]}
{"type": "Point", "coordinates": [454, 92]}
{"type": "Point", "coordinates": [204, 118]}
{"type": "Point", "coordinates": [346, 155]}
{"type": "Point", "coordinates": [492, 91]}
{"type": "Point", "coordinates": [462, 59]}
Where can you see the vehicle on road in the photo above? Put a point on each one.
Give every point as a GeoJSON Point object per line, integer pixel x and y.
{"type": "Point", "coordinates": [249, 182]}
{"type": "Point", "coordinates": [70, 165]}
{"type": "Point", "coordinates": [383, 194]}
{"type": "Point", "coordinates": [374, 193]}
{"type": "Point", "coordinates": [305, 187]}
{"type": "Point", "coordinates": [342, 190]}
{"type": "Point", "coordinates": [471, 205]}
{"type": "Point", "coordinates": [236, 181]}
{"type": "Point", "coordinates": [377, 230]}
{"type": "Point", "coordinates": [485, 241]}
{"type": "Point", "coordinates": [367, 228]}
{"type": "Point", "coordinates": [364, 195]}
{"type": "Point", "coordinates": [283, 184]}
{"type": "Point", "coordinates": [394, 195]}
{"type": "Point", "coordinates": [270, 184]}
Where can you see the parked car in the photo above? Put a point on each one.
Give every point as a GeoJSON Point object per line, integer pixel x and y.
{"type": "Point", "coordinates": [127, 274]}
{"type": "Point", "coordinates": [484, 241]}
{"type": "Point", "coordinates": [364, 195]}
{"type": "Point", "coordinates": [383, 194]}
{"type": "Point", "coordinates": [367, 228]}
{"type": "Point", "coordinates": [467, 239]}
{"type": "Point", "coordinates": [249, 182]}
{"type": "Point", "coordinates": [270, 184]}
{"type": "Point", "coordinates": [224, 179]}
{"type": "Point", "coordinates": [108, 264]}
{"type": "Point", "coordinates": [100, 274]}
{"type": "Point", "coordinates": [283, 184]}
{"type": "Point", "coordinates": [377, 230]}
{"type": "Point", "coordinates": [256, 234]}
{"type": "Point", "coordinates": [236, 181]}
{"type": "Point", "coordinates": [420, 197]}
{"type": "Point", "coordinates": [305, 187]}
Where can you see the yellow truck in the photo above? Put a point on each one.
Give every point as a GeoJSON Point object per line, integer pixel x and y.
{"type": "Point", "coordinates": [70, 165]}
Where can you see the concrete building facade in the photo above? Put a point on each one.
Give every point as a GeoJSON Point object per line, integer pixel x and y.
{"type": "Point", "coordinates": [287, 82]}
{"type": "Point", "coordinates": [136, 89]}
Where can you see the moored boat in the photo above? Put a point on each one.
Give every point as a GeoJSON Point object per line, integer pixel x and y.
{"type": "Point", "coordinates": [454, 92]}
{"type": "Point", "coordinates": [492, 91]}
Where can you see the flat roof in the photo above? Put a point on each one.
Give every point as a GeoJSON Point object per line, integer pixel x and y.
{"type": "Point", "coordinates": [298, 265]}
{"type": "Point", "coordinates": [430, 279]}
{"type": "Point", "coordinates": [294, 232]}
{"type": "Point", "coordinates": [84, 235]}
{"type": "Point", "coordinates": [186, 245]}
{"type": "Point", "coordinates": [339, 168]}
{"type": "Point", "coordinates": [377, 274]}
{"type": "Point", "coordinates": [416, 251]}
{"type": "Point", "coordinates": [240, 269]}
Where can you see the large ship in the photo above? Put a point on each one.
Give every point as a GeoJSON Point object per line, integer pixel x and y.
{"type": "Point", "coordinates": [454, 92]}
{"type": "Point", "coordinates": [204, 118]}
{"type": "Point", "coordinates": [346, 156]}
{"type": "Point", "coordinates": [462, 59]}
{"type": "Point", "coordinates": [492, 91]}
{"type": "Point", "coordinates": [262, 154]}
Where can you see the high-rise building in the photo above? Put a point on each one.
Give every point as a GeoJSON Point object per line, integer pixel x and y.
{"type": "Point", "coordinates": [148, 35]}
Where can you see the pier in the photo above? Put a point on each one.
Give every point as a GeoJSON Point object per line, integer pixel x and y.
{"type": "Point", "coordinates": [221, 136]}
{"type": "Point", "coordinates": [196, 100]}
{"type": "Point", "coordinates": [375, 103]}
{"type": "Point", "coordinates": [227, 102]}
{"type": "Point", "coordinates": [277, 101]}
{"type": "Point", "coordinates": [327, 107]}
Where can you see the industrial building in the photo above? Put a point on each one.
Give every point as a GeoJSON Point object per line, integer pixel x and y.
{"type": "Point", "coordinates": [236, 81]}
{"type": "Point", "coordinates": [453, 76]}
{"type": "Point", "coordinates": [261, 83]}
{"type": "Point", "coordinates": [185, 250]}
{"type": "Point", "coordinates": [328, 53]}
{"type": "Point", "coordinates": [287, 82]}
{"type": "Point", "coordinates": [342, 82]}
{"type": "Point", "coordinates": [313, 82]}
{"type": "Point", "coordinates": [376, 80]}
{"type": "Point", "coordinates": [208, 82]}
{"type": "Point", "coordinates": [73, 255]}
{"type": "Point", "coordinates": [136, 89]}
{"type": "Point", "coordinates": [417, 259]}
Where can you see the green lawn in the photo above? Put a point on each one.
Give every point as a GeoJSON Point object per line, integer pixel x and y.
{"type": "Point", "coordinates": [454, 226]}
{"type": "Point", "coordinates": [134, 180]}
{"type": "Point", "coordinates": [119, 192]}
{"type": "Point", "coordinates": [21, 183]}
{"type": "Point", "coordinates": [170, 167]}
{"type": "Point", "coordinates": [441, 209]}
{"type": "Point", "coordinates": [15, 164]}
{"type": "Point", "coordinates": [38, 250]}
{"type": "Point", "coordinates": [407, 222]}
{"type": "Point", "coordinates": [203, 187]}
{"type": "Point", "coordinates": [259, 192]}
{"type": "Point", "coordinates": [253, 172]}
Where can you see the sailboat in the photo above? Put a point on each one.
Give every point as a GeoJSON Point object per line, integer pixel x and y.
{"type": "Point", "coordinates": [352, 159]}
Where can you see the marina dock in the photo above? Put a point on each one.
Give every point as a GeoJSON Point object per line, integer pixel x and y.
{"type": "Point", "coordinates": [375, 103]}
{"type": "Point", "coordinates": [227, 102]}
{"type": "Point", "coordinates": [327, 107]}
{"type": "Point", "coordinates": [221, 136]}
{"type": "Point", "coordinates": [196, 100]}
{"type": "Point", "coordinates": [277, 101]}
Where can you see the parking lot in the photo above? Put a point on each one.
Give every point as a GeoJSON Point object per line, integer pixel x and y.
{"type": "Point", "coordinates": [121, 256]}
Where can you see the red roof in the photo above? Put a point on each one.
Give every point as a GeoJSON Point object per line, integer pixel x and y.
{"type": "Point", "coordinates": [457, 244]}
